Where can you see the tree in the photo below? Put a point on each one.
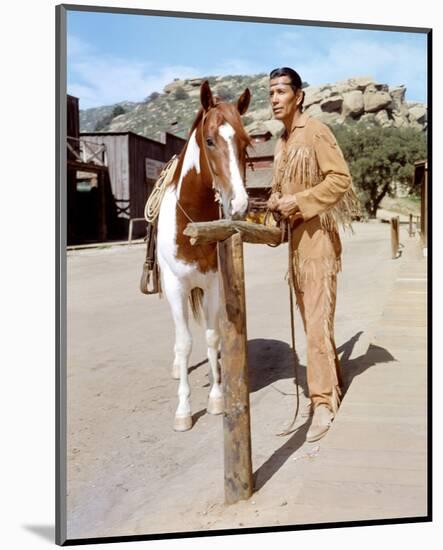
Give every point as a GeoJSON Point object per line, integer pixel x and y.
{"type": "Point", "coordinates": [225, 93]}
{"type": "Point", "coordinates": [103, 122]}
{"type": "Point", "coordinates": [181, 93]}
{"type": "Point", "coordinates": [379, 158]}
{"type": "Point", "coordinates": [118, 110]}
{"type": "Point", "coordinates": [152, 97]}
{"type": "Point", "coordinates": [107, 119]}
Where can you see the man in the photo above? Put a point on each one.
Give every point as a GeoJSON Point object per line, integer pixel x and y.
{"type": "Point", "coordinates": [312, 188]}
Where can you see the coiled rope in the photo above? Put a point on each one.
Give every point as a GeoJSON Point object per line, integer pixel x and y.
{"type": "Point", "coordinates": [152, 206]}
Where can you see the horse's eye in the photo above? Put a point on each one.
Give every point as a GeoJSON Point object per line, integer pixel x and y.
{"type": "Point", "coordinates": [209, 142]}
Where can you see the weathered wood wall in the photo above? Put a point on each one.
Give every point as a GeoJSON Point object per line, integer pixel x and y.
{"type": "Point", "coordinates": [126, 157]}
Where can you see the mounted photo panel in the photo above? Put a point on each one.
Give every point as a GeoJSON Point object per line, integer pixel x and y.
{"type": "Point", "coordinates": [243, 213]}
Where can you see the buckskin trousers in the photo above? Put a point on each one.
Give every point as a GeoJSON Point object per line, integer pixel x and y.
{"type": "Point", "coordinates": [316, 299]}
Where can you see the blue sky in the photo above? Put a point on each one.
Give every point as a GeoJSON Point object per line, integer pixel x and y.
{"type": "Point", "coordinates": [117, 57]}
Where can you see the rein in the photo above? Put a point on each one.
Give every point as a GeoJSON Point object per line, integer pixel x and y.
{"type": "Point", "coordinates": [292, 293]}
{"type": "Point", "coordinates": [285, 228]}
{"type": "Point", "coordinates": [150, 266]}
{"type": "Point", "coordinates": [207, 158]}
{"type": "Point", "coordinates": [209, 166]}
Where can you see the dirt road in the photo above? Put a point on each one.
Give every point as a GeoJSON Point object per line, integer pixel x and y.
{"type": "Point", "coordinates": [128, 471]}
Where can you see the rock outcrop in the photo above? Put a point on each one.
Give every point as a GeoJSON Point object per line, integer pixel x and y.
{"type": "Point", "coordinates": [359, 99]}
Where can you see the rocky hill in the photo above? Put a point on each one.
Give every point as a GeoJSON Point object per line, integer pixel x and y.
{"type": "Point", "coordinates": [97, 116]}
{"type": "Point", "coordinates": [344, 102]}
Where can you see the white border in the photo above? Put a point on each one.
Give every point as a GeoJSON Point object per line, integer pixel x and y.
{"type": "Point", "coordinates": [27, 222]}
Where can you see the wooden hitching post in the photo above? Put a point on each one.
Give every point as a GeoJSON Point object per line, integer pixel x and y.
{"type": "Point", "coordinates": [102, 228]}
{"type": "Point", "coordinates": [234, 363]}
{"type": "Point", "coordinates": [230, 236]}
{"type": "Point", "coordinates": [394, 237]}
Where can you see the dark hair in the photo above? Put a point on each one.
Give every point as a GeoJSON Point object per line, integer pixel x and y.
{"type": "Point", "coordinates": [294, 77]}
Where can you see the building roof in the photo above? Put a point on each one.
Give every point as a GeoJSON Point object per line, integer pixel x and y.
{"type": "Point", "coordinates": [129, 133]}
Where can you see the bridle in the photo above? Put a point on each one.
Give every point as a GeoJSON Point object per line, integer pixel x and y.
{"type": "Point", "coordinates": [213, 175]}
{"type": "Point", "coordinates": [285, 226]}
{"type": "Point", "coordinates": [205, 151]}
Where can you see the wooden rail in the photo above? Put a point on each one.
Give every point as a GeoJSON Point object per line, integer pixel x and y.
{"type": "Point", "coordinates": [220, 230]}
{"type": "Point", "coordinates": [87, 151]}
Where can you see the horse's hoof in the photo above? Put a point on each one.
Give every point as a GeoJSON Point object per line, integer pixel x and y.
{"type": "Point", "coordinates": [215, 405]}
{"type": "Point", "coordinates": [182, 423]}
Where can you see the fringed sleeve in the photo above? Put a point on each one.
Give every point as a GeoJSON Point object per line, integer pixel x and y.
{"type": "Point", "coordinates": [334, 193]}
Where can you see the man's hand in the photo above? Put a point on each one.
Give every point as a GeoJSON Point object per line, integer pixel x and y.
{"type": "Point", "coordinates": [287, 206]}
{"type": "Point", "coordinates": [273, 201]}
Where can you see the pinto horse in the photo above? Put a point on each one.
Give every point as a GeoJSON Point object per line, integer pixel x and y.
{"type": "Point", "coordinates": [210, 170]}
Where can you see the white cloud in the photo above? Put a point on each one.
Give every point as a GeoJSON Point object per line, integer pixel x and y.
{"type": "Point", "coordinates": [234, 67]}
{"type": "Point", "coordinates": [102, 80]}
{"type": "Point", "coordinates": [77, 47]}
{"type": "Point", "coordinates": [387, 62]}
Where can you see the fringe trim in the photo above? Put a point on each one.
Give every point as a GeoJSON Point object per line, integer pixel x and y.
{"type": "Point", "coordinates": [328, 334]}
{"type": "Point", "coordinates": [306, 269]}
{"type": "Point", "coordinates": [302, 169]}
{"type": "Point", "coordinates": [347, 208]}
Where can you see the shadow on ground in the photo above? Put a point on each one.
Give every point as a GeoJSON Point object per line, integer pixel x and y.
{"type": "Point", "coordinates": [354, 367]}
{"type": "Point", "coordinates": [272, 360]}
{"type": "Point", "coordinates": [264, 473]}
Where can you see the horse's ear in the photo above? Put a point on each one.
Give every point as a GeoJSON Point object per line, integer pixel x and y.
{"type": "Point", "coordinates": [206, 97]}
{"type": "Point", "coordinates": [243, 101]}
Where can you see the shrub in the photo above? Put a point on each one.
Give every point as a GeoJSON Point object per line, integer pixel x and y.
{"type": "Point", "coordinates": [180, 93]}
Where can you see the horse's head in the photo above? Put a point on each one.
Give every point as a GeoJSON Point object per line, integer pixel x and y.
{"type": "Point", "coordinates": [223, 140]}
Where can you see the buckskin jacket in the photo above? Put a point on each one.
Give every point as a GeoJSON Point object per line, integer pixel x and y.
{"type": "Point", "coordinates": [309, 163]}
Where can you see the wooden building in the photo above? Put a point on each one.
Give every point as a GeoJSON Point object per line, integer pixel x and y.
{"type": "Point", "coordinates": [134, 164]}
{"type": "Point", "coordinates": [259, 176]}
{"type": "Point", "coordinates": [87, 219]}
{"type": "Point", "coordinates": [110, 176]}
{"type": "Point", "coordinates": [421, 178]}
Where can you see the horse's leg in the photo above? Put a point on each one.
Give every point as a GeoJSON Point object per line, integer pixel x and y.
{"type": "Point", "coordinates": [211, 311]}
{"type": "Point", "coordinates": [177, 297]}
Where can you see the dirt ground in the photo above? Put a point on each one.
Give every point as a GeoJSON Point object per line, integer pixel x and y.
{"type": "Point", "coordinates": [128, 472]}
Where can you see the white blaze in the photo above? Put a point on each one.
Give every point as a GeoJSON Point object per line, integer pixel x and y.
{"type": "Point", "coordinates": [240, 198]}
{"type": "Point", "coordinates": [191, 160]}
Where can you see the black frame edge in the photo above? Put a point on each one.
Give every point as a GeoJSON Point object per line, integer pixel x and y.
{"type": "Point", "coordinates": [245, 18]}
{"type": "Point", "coordinates": [429, 268]}
{"type": "Point", "coordinates": [245, 531]}
{"type": "Point", "coordinates": [60, 275]}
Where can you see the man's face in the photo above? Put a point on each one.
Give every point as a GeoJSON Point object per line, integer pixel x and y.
{"type": "Point", "coordinates": [284, 100]}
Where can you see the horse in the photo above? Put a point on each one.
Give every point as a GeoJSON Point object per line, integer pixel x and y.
{"type": "Point", "coordinates": [209, 178]}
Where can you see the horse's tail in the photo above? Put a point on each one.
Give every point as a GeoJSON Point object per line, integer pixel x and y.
{"type": "Point", "coordinates": [196, 301]}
